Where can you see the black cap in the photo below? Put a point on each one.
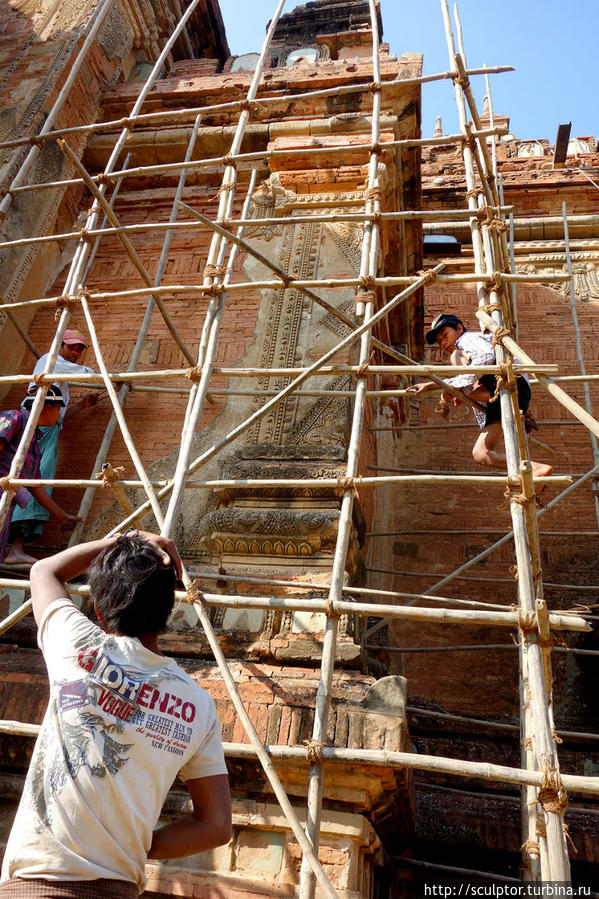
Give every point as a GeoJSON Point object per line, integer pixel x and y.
{"type": "Point", "coordinates": [446, 319]}
{"type": "Point", "coordinates": [54, 396]}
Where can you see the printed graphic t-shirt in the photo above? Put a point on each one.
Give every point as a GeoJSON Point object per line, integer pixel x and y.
{"type": "Point", "coordinates": [121, 723]}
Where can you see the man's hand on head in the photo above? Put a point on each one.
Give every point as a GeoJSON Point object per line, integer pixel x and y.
{"type": "Point", "coordinates": [167, 549]}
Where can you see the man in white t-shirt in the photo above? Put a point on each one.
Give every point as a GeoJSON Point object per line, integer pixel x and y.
{"type": "Point", "coordinates": [122, 722]}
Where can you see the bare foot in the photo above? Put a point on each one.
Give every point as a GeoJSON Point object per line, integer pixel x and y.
{"type": "Point", "coordinates": [540, 470]}
{"type": "Point", "coordinates": [18, 557]}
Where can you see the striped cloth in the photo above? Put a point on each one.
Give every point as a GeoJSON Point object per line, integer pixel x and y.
{"type": "Point", "coordinates": [102, 888]}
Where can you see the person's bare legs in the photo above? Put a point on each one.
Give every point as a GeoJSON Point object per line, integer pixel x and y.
{"type": "Point", "coordinates": [488, 451]}
{"type": "Point", "coordinates": [16, 555]}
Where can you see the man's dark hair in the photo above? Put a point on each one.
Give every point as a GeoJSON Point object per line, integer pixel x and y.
{"type": "Point", "coordinates": [132, 588]}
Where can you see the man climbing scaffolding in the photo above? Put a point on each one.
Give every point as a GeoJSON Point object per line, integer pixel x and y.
{"type": "Point", "coordinates": [465, 347]}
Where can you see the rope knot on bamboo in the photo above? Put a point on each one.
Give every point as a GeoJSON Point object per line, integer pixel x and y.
{"type": "Point", "coordinates": [368, 282]}
{"type": "Point", "coordinates": [512, 496]}
{"type": "Point", "coordinates": [505, 378]}
{"type": "Point", "coordinates": [462, 80]}
{"type": "Point", "coordinates": [226, 187]}
{"type": "Point", "coordinates": [473, 194]}
{"type": "Point", "coordinates": [102, 178]}
{"type": "Point", "coordinates": [373, 193]}
{"type": "Point", "coordinates": [363, 296]}
{"type": "Point", "coordinates": [109, 474]}
{"type": "Point", "coordinates": [375, 146]}
{"type": "Point", "coordinates": [494, 283]}
{"type": "Point", "coordinates": [527, 622]}
{"type": "Point", "coordinates": [230, 160]}
{"type": "Point", "coordinates": [214, 271]}
{"type": "Point", "coordinates": [128, 123]}
{"type": "Point", "coordinates": [490, 307]}
{"type": "Point", "coordinates": [362, 370]}
{"type": "Point", "coordinates": [346, 483]}
{"type": "Point", "coordinates": [499, 334]}
{"type": "Point", "coordinates": [427, 276]}
{"type": "Point", "coordinates": [375, 86]}
{"type": "Point", "coordinates": [85, 235]}
{"type": "Point", "coordinates": [552, 797]}
{"type": "Point", "coordinates": [331, 611]}
{"type": "Point", "coordinates": [249, 105]}
{"type": "Point", "coordinates": [7, 486]}
{"type": "Point", "coordinates": [531, 847]}
{"type": "Point", "coordinates": [193, 594]}
{"type": "Point", "coordinates": [66, 302]}
{"type": "Point", "coordinates": [39, 379]}
{"type": "Point", "coordinates": [314, 751]}
{"type": "Point", "coordinates": [194, 373]}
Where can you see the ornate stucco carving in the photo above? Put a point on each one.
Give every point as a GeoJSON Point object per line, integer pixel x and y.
{"type": "Point", "coordinates": [585, 266]}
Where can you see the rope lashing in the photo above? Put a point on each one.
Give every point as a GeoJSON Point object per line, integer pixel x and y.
{"type": "Point", "coordinates": [566, 831]}
{"type": "Point", "coordinates": [499, 334]}
{"type": "Point", "coordinates": [362, 370]}
{"type": "Point", "coordinates": [85, 235]}
{"type": "Point", "coordinates": [127, 123]}
{"type": "Point", "coordinates": [556, 738]}
{"type": "Point", "coordinates": [490, 307]}
{"type": "Point", "coordinates": [214, 271]}
{"type": "Point", "coordinates": [513, 570]}
{"type": "Point", "coordinates": [363, 296]}
{"type": "Point", "coordinates": [36, 140]}
{"type": "Point", "coordinates": [552, 797]}
{"type": "Point", "coordinates": [193, 594]}
{"type": "Point", "coordinates": [331, 611]}
{"type": "Point", "coordinates": [314, 751]}
{"type": "Point", "coordinates": [213, 290]}
{"type": "Point", "coordinates": [230, 160]}
{"type": "Point", "coordinates": [428, 276]}
{"type": "Point", "coordinates": [102, 178]}
{"type": "Point", "coordinates": [531, 847]}
{"type": "Point", "coordinates": [194, 373]}
{"type": "Point", "coordinates": [231, 185]}
{"type": "Point", "coordinates": [462, 80]}
{"type": "Point", "coordinates": [494, 283]}
{"type": "Point", "coordinates": [109, 474]}
{"type": "Point", "coordinates": [286, 280]}
{"type": "Point", "coordinates": [473, 194]}
{"type": "Point", "coordinates": [7, 486]}
{"type": "Point", "coordinates": [373, 193]}
{"type": "Point", "coordinates": [66, 301]}
{"type": "Point", "coordinates": [505, 378]}
{"type": "Point", "coordinates": [39, 379]}
{"type": "Point", "coordinates": [527, 622]}
{"type": "Point", "coordinates": [375, 86]}
{"type": "Point", "coordinates": [368, 282]}
{"type": "Point", "coordinates": [528, 744]}
{"type": "Point", "coordinates": [498, 225]}
{"type": "Point", "coordinates": [541, 827]}
{"type": "Point", "coordinates": [249, 105]}
{"type": "Point", "coordinates": [346, 483]}
{"type": "Point", "coordinates": [375, 147]}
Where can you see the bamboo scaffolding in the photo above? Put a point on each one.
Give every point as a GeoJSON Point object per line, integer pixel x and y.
{"type": "Point", "coordinates": [365, 308]}
{"type": "Point", "coordinates": [579, 355]}
{"type": "Point", "coordinates": [168, 116]}
{"type": "Point", "coordinates": [98, 19]}
{"type": "Point", "coordinates": [88, 497]}
{"type": "Point", "coordinates": [413, 761]}
{"type": "Point", "coordinates": [149, 227]}
{"type": "Point", "coordinates": [556, 864]}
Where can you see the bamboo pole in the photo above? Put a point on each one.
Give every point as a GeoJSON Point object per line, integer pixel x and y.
{"type": "Point", "coordinates": [579, 356]}
{"type": "Point", "coordinates": [149, 227]}
{"type": "Point", "coordinates": [364, 308]}
{"type": "Point", "coordinates": [557, 855]}
{"type": "Point", "coordinates": [559, 621]}
{"type": "Point", "coordinates": [412, 761]}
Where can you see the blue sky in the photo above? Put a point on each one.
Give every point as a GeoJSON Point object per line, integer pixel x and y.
{"type": "Point", "coordinates": [551, 44]}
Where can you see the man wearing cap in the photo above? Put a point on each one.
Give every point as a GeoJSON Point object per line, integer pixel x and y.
{"type": "Point", "coordinates": [465, 347]}
{"type": "Point", "coordinates": [28, 522]}
{"type": "Point", "coordinates": [12, 425]}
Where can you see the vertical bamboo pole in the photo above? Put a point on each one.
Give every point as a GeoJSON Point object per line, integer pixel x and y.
{"type": "Point", "coordinates": [581, 366]}
{"type": "Point", "coordinates": [368, 267]}
{"type": "Point", "coordinates": [558, 868]}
